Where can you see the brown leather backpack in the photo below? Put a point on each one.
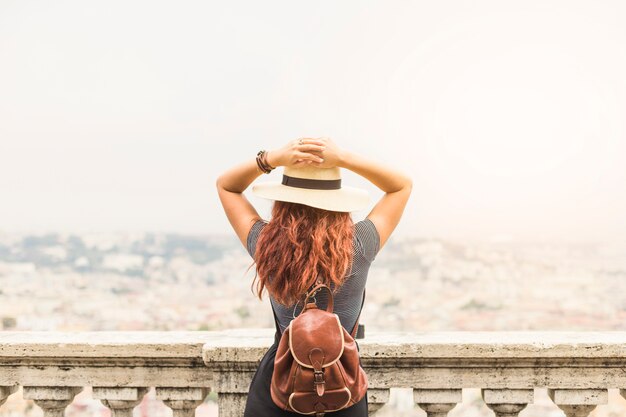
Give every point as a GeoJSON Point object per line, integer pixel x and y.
{"type": "Point", "coordinates": [317, 367]}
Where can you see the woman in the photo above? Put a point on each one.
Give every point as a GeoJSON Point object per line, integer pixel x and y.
{"type": "Point", "coordinates": [311, 238]}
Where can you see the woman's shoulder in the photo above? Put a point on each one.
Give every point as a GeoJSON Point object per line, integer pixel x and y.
{"type": "Point", "coordinates": [253, 235]}
{"type": "Point", "coordinates": [367, 238]}
{"type": "Point", "coordinates": [365, 227]}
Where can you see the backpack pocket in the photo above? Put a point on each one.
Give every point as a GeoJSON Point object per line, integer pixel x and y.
{"type": "Point", "coordinates": [304, 402]}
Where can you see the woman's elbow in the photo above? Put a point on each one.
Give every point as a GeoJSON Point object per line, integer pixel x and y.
{"type": "Point", "coordinates": [218, 182]}
{"type": "Point", "coordinates": [408, 183]}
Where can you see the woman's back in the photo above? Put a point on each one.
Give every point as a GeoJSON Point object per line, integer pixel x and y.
{"type": "Point", "coordinates": [310, 202]}
{"type": "Point", "coordinates": [348, 298]}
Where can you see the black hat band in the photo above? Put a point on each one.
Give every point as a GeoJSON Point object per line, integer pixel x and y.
{"type": "Point", "coordinates": [311, 184]}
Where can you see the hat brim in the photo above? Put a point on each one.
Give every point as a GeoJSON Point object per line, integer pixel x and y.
{"type": "Point", "coordinates": [344, 199]}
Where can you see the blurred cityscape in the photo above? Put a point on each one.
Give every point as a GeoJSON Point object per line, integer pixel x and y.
{"type": "Point", "coordinates": [152, 281]}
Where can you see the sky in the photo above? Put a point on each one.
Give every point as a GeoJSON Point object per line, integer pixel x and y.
{"type": "Point", "coordinates": [508, 116]}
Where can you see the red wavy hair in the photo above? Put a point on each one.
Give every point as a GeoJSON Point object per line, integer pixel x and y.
{"type": "Point", "coordinates": [299, 244]}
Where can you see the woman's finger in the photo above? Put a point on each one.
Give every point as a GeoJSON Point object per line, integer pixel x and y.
{"type": "Point", "coordinates": [308, 141]}
{"type": "Point", "coordinates": [316, 153]}
{"type": "Point", "coordinates": [311, 147]}
{"type": "Point", "coordinates": [309, 156]}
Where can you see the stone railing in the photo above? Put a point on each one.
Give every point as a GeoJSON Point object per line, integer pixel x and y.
{"type": "Point", "coordinates": [576, 368]}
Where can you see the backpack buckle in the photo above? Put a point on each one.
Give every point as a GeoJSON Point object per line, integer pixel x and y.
{"type": "Point", "coordinates": [319, 382]}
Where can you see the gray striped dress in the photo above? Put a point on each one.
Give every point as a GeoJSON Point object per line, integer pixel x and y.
{"type": "Point", "coordinates": [349, 297]}
{"type": "Point", "coordinates": [348, 300]}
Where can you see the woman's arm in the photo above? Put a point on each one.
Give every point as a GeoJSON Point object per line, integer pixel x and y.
{"type": "Point", "coordinates": [397, 186]}
{"type": "Point", "coordinates": [231, 184]}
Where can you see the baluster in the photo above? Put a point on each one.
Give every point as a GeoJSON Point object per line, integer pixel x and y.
{"type": "Point", "coordinates": [376, 398]}
{"type": "Point", "coordinates": [437, 402]}
{"type": "Point", "coordinates": [6, 391]}
{"type": "Point", "coordinates": [507, 402]}
{"type": "Point", "coordinates": [52, 400]}
{"type": "Point", "coordinates": [182, 401]}
{"type": "Point", "coordinates": [120, 400]}
{"type": "Point", "coordinates": [231, 404]}
{"type": "Point", "coordinates": [578, 402]}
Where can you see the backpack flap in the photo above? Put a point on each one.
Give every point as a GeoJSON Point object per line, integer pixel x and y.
{"type": "Point", "coordinates": [316, 338]}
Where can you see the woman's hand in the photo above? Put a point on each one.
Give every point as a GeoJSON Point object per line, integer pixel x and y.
{"type": "Point", "coordinates": [296, 154]}
{"type": "Point", "coordinates": [332, 154]}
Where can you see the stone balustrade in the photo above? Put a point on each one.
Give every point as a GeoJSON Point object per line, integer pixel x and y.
{"type": "Point", "coordinates": [576, 368]}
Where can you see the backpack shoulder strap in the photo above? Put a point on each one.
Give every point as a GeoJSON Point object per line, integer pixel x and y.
{"type": "Point", "coordinates": [356, 325]}
{"type": "Point", "coordinates": [278, 332]}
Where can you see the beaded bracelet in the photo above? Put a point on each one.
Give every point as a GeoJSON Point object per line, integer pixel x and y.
{"type": "Point", "coordinates": [265, 161]}
{"type": "Point", "coordinates": [261, 161]}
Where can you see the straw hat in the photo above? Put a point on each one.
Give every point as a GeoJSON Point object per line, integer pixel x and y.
{"type": "Point", "coordinates": [316, 187]}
